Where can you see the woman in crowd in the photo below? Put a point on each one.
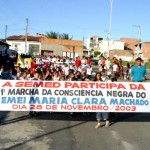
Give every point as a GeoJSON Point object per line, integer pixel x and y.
{"type": "Point", "coordinates": [56, 76]}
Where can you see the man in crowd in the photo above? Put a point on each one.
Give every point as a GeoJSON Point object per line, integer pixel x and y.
{"type": "Point", "coordinates": [138, 71]}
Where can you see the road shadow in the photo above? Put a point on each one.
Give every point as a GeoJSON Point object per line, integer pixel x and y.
{"type": "Point", "coordinates": [66, 116]}
{"type": "Point", "coordinates": [14, 120]}
{"type": "Point", "coordinates": [114, 117]}
{"type": "Point", "coordinates": [121, 117]}
{"type": "Point", "coordinates": [3, 115]}
{"type": "Point", "coordinates": [133, 117]}
{"type": "Point", "coordinates": [45, 134]}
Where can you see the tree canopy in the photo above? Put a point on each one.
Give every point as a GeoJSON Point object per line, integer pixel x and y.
{"type": "Point", "coordinates": [56, 35]}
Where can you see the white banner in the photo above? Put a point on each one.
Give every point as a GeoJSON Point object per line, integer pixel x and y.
{"type": "Point", "coordinates": [71, 96]}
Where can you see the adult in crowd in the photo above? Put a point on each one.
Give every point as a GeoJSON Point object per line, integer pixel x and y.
{"type": "Point", "coordinates": [138, 71]}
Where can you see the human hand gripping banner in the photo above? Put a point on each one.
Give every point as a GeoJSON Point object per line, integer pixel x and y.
{"type": "Point", "coordinates": [69, 96]}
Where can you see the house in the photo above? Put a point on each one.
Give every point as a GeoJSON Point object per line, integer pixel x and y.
{"type": "Point", "coordinates": [93, 42]}
{"type": "Point", "coordinates": [129, 43]}
{"type": "Point", "coordinates": [126, 55]}
{"type": "Point", "coordinates": [142, 51]}
{"type": "Point", "coordinates": [51, 49]}
{"type": "Point", "coordinates": [86, 52]}
{"type": "Point", "coordinates": [145, 48]}
{"type": "Point", "coordinates": [61, 47]}
{"type": "Point", "coordinates": [97, 43]}
{"type": "Point", "coordinates": [18, 43]}
{"type": "Point", "coordinates": [3, 46]}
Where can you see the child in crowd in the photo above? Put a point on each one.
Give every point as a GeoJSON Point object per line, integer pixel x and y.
{"type": "Point", "coordinates": [89, 71]}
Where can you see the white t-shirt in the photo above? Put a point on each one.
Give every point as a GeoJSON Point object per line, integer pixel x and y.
{"type": "Point", "coordinates": [109, 73]}
{"type": "Point", "coordinates": [80, 69]}
{"type": "Point", "coordinates": [115, 66]}
{"type": "Point", "coordinates": [89, 71]}
{"type": "Point", "coordinates": [83, 62]}
{"type": "Point", "coordinates": [56, 78]}
{"type": "Point", "coordinates": [26, 66]}
{"type": "Point", "coordinates": [99, 62]}
{"type": "Point", "coordinates": [66, 69]}
{"type": "Point", "coordinates": [107, 64]}
{"type": "Point", "coordinates": [53, 59]}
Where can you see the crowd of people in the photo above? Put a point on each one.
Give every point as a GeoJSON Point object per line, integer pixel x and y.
{"type": "Point", "coordinates": [56, 68]}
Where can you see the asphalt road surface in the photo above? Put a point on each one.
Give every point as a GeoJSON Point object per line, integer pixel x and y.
{"type": "Point", "coordinates": [58, 132]}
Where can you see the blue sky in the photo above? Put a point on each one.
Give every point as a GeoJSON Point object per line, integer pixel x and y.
{"type": "Point", "coordinates": [78, 18]}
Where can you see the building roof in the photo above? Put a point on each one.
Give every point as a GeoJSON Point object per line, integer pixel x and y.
{"type": "Point", "coordinates": [22, 38]}
{"type": "Point", "coordinates": [146, 43]}
{"type": "Point", "coordinates": [4, 43]}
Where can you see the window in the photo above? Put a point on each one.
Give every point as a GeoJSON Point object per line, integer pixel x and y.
{"type": "Point", "coordinates": [100, 39]}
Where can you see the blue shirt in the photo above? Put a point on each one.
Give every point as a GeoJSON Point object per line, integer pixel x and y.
{"type": "Point", "coordinates": [137, 73]}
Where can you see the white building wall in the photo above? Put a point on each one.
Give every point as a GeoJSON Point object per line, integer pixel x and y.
{"type": "Point", "coordinates": [104, 46]}
{"type": "Point", "coordinates": [71, 54]}
{"type": "Point", "coordinates": [95, 41]}
{"type": "Point", "coordinates": [88, 43]}
{"type": "Point", "coordinates": [19, 46]}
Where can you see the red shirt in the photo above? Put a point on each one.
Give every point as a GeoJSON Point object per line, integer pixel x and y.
{"type": "Point", "coordinates": [103, 62]}
{"type": "Point", "coordinates": [78, 62]}
{"type": "Point", "coordinates": [33, 65]}
{"type": "Point", "coordinates": [88, 62]}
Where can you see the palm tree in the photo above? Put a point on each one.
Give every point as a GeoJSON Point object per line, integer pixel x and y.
{"type": "Point", "coordinates": [65, 36]}
{"type": "Point", "coordinates": [52, 35]}
{"type": "Point", "coordinates": [56, 35]}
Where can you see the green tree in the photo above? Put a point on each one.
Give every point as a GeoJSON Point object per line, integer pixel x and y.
{"type": "Point", "coordinates": [56, 35]}
{"type": "Point", "coordinates": [96, 53]}
{"type": "Point", "coordinates": [65, 36]}
{"type": "Point", "coordinates": [52, 35]}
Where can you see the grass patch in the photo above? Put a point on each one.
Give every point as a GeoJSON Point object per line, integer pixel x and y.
{"type": "Point", "coordinates": [124, 63]}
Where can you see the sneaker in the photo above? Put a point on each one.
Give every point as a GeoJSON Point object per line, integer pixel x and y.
{"type": "Point", "coordinates": [107, 124]}
{"type": "Point", "coordinates": [98, 126]}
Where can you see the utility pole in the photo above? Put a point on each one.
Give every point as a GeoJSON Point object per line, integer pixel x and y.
{"type": "Point", "coordinates": [26, 34]}
{"type": "Point", "coordinates": [6, 27]}
{"type": "Point", "coordinates": [82, 47]}
{"type": "Point", "coordinates": [139, 38]}
{"type": "Point", "coordinates": [110, 26]}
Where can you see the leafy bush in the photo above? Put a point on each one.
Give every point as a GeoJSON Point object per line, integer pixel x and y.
{"type": "Point", "coordinates": [96, 53]}
{"type": "Point", "coordinates": [91, 56]}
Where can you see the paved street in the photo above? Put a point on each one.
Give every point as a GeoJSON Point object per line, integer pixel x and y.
{"type": "Point", "coordinates": [58, 132]}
